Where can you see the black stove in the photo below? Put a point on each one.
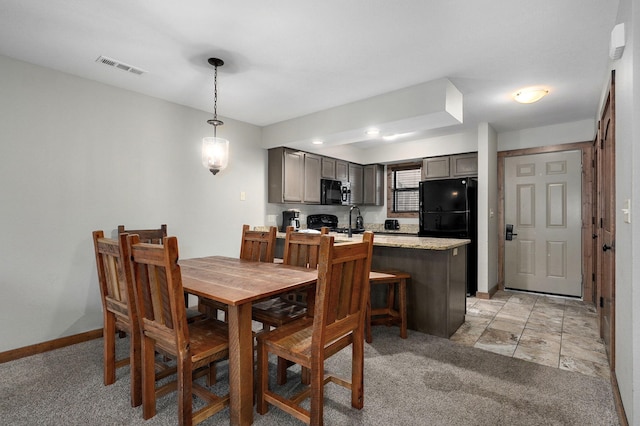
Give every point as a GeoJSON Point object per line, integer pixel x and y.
{"type": "Point", "coordinates": [317, 221]}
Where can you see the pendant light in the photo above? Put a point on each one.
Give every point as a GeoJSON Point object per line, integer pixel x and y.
{"type": "Point", "coordinates": [215, 150]}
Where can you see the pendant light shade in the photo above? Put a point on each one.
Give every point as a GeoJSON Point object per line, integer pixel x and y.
{"type": "Point", "coordinates": [215, 150]}
{"type": "Point", "coordinates": [215, 154]}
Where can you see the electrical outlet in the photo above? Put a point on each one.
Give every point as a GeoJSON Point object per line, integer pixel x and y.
{"type": "Point", "coordinates": [243, 196]}
{"type": "Point", "coordinates": [271, 218]}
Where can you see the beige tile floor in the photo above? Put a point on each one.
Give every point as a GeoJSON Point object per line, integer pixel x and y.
{"type": "Point", "coordinates": [552, 331]}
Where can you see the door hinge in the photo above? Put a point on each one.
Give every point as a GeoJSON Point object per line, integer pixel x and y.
{"type": "Point", "coordinates": [600, 222]}
{"type": "Point", "coordinates": [602, 302]}
{"type": "Point", "coordinates": [593, 277]}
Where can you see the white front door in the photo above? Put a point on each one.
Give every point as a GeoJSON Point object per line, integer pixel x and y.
{"type": "Point", "coordinates": [543, 202]}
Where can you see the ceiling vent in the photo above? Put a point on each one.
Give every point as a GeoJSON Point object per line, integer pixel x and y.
{"type": "Point", "coordinates": [120, 65]}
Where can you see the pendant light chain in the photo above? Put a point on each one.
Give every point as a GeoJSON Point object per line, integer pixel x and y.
{"type": "Point", "coordinates": [215, 151]}
{"type": "Point", "coordinates": [215, 100]}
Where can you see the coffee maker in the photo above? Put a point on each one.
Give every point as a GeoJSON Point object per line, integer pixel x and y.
{"type": "Point", "coordinates": [290, 217]}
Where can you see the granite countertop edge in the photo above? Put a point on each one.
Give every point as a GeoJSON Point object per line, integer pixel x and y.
{"type": "Point", "coordinates": [404, 241]}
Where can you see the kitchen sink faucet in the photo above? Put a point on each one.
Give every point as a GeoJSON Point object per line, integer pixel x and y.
{"type": "Point", "coordinates": [359, 214]}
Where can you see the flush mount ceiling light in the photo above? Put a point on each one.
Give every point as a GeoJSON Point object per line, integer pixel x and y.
{"type": "Point", "coordinates": [317, 142]}
{"type": "Point", "coordinates": [372, 132]}
{"type": "Point", "coordinates": [529, 96]}
{"type": "Point", "coordinates": [215, 150]}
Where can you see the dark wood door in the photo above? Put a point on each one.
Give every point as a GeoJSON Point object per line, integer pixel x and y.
{"type": "Point", "coordinates": [606, 234]}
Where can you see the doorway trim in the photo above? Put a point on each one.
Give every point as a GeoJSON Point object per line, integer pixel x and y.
{"type": "Point", "coordinates": [588, 283]}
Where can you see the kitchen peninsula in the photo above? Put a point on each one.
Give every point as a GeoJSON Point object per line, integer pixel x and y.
{"type": "Point", "coordinates": [436, 293]}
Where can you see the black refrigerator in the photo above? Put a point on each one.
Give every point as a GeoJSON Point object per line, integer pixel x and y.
{"type": "Point", "coordinates": [448, 209]}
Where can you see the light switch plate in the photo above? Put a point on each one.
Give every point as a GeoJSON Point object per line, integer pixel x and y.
{"type": "Point", "coordinates": [626, 211]}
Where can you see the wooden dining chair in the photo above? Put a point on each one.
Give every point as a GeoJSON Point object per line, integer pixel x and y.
{"type": "Point", "coordinates": [340, 303]}
{"type": "Point", "coordinates": [151, 236]}
{"type": "Point", "coordinates": [394, 281]}
{"type": "Point", "coordinates": [155, 236]}
{"type": "Point", "coordinates": [257, 246]}
{"type": "Point", "coordinates": [159, 300]}
{"type": "Point", "coordinates": [118, 307]}
{"type": "Point", "coordinates": [300, 249]}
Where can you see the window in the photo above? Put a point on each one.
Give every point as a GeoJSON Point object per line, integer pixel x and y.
{"type": "Point", "coordinates": [403, 186]}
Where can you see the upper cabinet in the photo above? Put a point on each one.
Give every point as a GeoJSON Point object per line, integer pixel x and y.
{"type": "Point", "coordinates": [294, 176]}
{"type": "Point", "coordinates": [335, 169]}
{"type": "Point", "coordinates": [373, 185]}
{"type": "Point", "coordinates": [464, 165]}
{"type": "Point", "coordinates": [356, 184]}
{"type": "Point", "coordinates": [285, 174]}
{"type": "Point", "coordinates": [328, 168]}
{"type": "Point", "coordinates": [450, 166]}
{"type": "Point", "coordinates": [435, 168]}
{"type": "Point", "coordinates": [342, 171]}
{"type": "Point", "coordinates": [312, 171]}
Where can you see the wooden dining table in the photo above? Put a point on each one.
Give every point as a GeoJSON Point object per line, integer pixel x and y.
{"type": "Point", "coordinates": [238, 283]}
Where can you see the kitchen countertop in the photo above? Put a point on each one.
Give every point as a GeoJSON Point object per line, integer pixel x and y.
{"type": "Point", "coordinates": [403, 241]}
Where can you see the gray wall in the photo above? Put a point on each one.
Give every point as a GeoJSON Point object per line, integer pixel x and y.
{"type": "Point", "coordinates": [76, 156]}
{"type": "Point", "coordinates": [627, 298]}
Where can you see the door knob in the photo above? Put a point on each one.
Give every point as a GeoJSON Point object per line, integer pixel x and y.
{"type": "Point", "coordinates": [606, 247]}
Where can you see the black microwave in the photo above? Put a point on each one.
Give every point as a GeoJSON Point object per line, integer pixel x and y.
{"type": "Point", "coordinates": [334, 192]}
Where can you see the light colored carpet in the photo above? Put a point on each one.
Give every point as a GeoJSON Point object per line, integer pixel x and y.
{"type": "Point", "coordinates": [423, 380]}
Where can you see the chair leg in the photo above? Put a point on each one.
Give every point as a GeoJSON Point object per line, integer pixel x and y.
{"type": "Point", "coordinates": [135, 363]}
{"type": "Point", "coordinates": [305, 376]}
{"type": "Point", "coordinates": [367, 321]}
{"type": "Point", "coordinates": [357, 370]}
{"type": "Point", "coordinates": [211, 374]}
{"type": "Point", "coordinates": [148, 378]}
{"type": "Point", "coordinates": [109, 350]}
{"type": "Point", "coordinates": [402, 305]}
{"type": "Point", "coordinates": [316, 412]}
{"type": "Point", "coordinates": [281, 375]}
{"type": "Point", "coordinates": [185, 394]}
{"type": "Point", "coordinates": [263, 379]}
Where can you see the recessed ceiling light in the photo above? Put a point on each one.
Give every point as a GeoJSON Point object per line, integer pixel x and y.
{"type": "Point", "coordinates": [394, 136]}
{"type": "Point", "coordinates": [529, 96]}
{"type": "Point", "coordinates": [317, 142]}
{"type": "Point", "coordinates": [372, 132]}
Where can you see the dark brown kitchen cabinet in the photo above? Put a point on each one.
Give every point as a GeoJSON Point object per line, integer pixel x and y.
{"type": "Point", "coordinates": [294, 176]}
{"type": "Point", "coordinates": [285, 175]}
{"type": "Point", "coordinates": [342, 171]}
{"type": "Point", "coordinates": [328, 168]}
{"type": "Point", "coordinates": [373, 185]}
{"type": "Point", "coordinates": [464, 165]}
{"type": "Point", "coordinates": [356, 184]}
{"type": "Point", "coordinates": [312, 171]}
{"type": "Point", "coordinates": [450, 166]}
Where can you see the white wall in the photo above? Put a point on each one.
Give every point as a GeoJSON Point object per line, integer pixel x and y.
{"type": "Point", "coordinates": [576, 131]}
{"type": "Point", "coordinates": [76, 156]}
{"type": "Point", "coordinates": [627, 298]}
{"type": "Point", "coordinates": [487, 208]}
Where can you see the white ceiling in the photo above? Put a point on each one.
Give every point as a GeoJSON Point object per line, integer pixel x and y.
{"type": "Point", "coordinates": [288, 58]}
